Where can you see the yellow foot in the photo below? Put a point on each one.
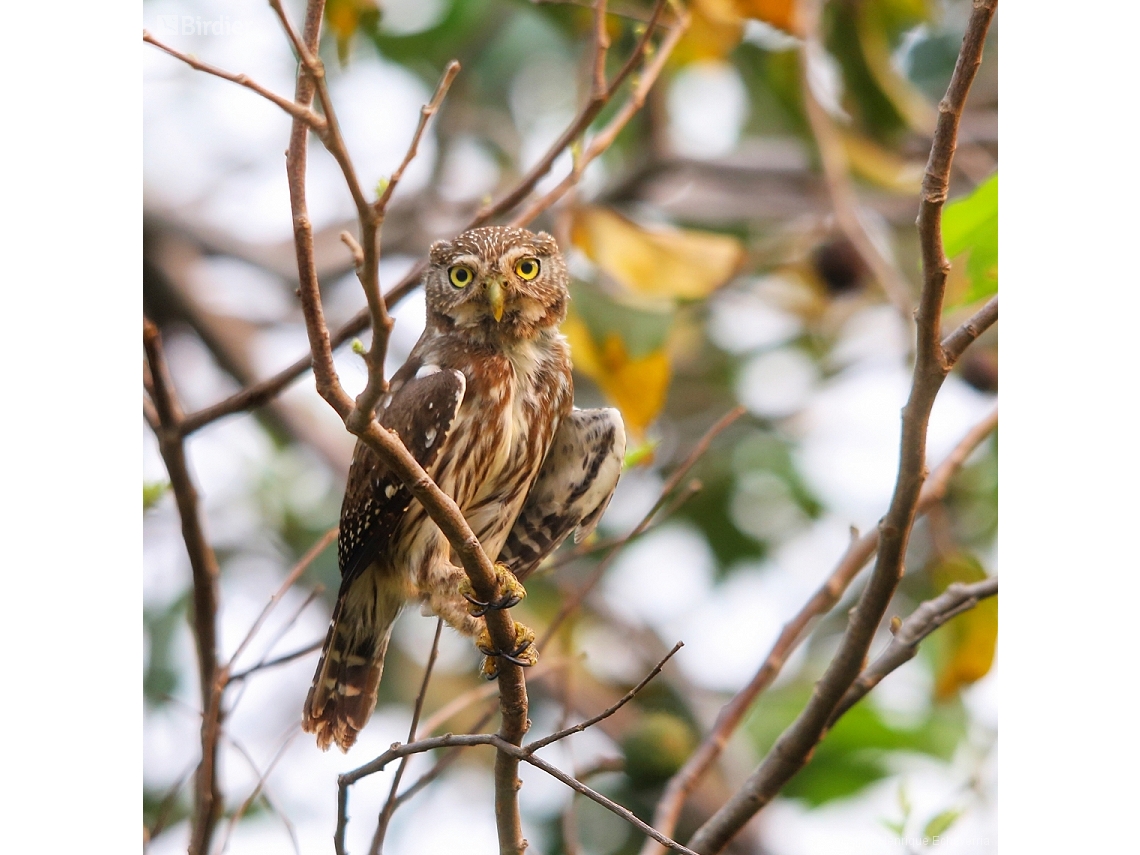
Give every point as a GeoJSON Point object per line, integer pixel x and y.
{"type": "Point", "coordinates": [524, 652]}
{"type": "Point", "coordinates": [509, 588]}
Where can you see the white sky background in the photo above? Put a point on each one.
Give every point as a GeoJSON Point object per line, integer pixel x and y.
{"type": "Point", "coordinates": [89, 745]}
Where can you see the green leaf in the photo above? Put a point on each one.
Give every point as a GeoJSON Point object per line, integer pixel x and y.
{"type": "Point", "coordinates": [854, 753]}
{"type": "Point", "coordinates": [656, 747]}
{"type": "Point", "coordinates": [161, 677]}
{"type": "Point", "coordinates": [970, 225]}
{"type": "Point", "coordinates": [904, 802]}
{"type": "Point", "coordinates": [941, 823]}
{"type": "Point", "coordinates": [896, 828]}
{"type": "Point", "coordinates": [642, 453]}
{"type": "Point", "coordinates": [153, 493]}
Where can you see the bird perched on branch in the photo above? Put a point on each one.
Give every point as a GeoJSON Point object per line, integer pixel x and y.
{"type": "Point", "coordinates": [485, 405]}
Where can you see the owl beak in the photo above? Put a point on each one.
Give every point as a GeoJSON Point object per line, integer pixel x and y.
{"type": "Point", "coordinates": [497, 298]}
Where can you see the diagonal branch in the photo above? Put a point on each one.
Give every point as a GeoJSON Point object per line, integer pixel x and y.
{"type": "Point", "coordinates": [390, 804]}
{"type": "Point", "coordinates": [903, 646]}
{"type": "Point", "coordinates": [795, 745]}
{"type": "Point", "coordinates": [606, 136]}
{"type": "Point", "coordinates": [580, 123]}
{"type": "Point", "coordinates": [449, 740]}
{"type": "Point", "coordinates": [955, 344]}
{"type": "Point", "coordinates": [426, 112]}
{"type": "Point", "coordinates": [531, 747]}
{"type": "Point", "coordinates": [858, 553]}
{"type": "Point", "coordinates": [297, 111]}
{"type": "Point", "coordinates": [679, 473]}
{"type": "Point", "coordinates": [299, 568]}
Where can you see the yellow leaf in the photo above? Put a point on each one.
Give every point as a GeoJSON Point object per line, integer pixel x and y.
{"type": "Point", "coordinates": [882, 166]}
{"type": "Point", "coordinates": [662, 262]}
{"type": "Point", "coordinates": [344, 17]}
{"type": "Point", "coordinates": [715, 28]}
{"type": "Point", "coordinates": [636, 386]}
{"type": "Point", "coordinates": [779, 13]}
{"type": "Point", "coordinates": [965, 651]}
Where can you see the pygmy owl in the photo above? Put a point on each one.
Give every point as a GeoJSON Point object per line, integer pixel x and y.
{"type": "Point", "coordinates": [485, 404]}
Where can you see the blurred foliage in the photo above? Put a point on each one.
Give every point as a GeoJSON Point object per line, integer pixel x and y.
{"type": "Point", "coordinates": [663, 262]}
{"type": "Point", "coordinates": [970, 227]}
{"type": "Point", "coordinates": [973, 499]}
{"type": "Point", "coordinates": [345, 17]}
{"type": "Point", "coordinates": [161, 677]}
{"type": "Point", "coordinates": [963, 648]}
{"type": "Point", "coordinates": [153, 491]}
{"type": "Point", "coordinates": [656, 747]}
{"type": "Point", "coordinates": [856, 751]}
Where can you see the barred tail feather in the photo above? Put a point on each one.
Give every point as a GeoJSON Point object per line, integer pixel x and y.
{"type": "Point", "coordinates": [343, 693]}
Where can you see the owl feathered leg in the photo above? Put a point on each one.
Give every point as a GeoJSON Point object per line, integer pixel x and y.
{"type": "Point", "coordinates": [343, 693]}
{"type": "Point", "coordinates": [442, 597]}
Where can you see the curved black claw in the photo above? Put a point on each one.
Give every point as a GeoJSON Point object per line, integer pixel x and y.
{"type": "Point", "coordinates": [513, 593]}
{"type": "Point", "coordinates": [524, 652]}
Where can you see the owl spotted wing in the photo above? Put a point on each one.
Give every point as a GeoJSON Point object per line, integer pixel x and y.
{"type": "Point", "coordinates": [572, 489]}
{"type": "Point", "coordinates": [421, 410]}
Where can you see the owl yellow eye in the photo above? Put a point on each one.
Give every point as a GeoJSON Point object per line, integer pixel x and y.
{"type": "Point", "coordinates": [526, 268]}
{"type": "Point", "coordinates": [460, 275]}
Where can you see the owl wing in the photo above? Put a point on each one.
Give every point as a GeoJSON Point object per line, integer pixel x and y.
{"type": "Point", "coordinates": [572, 490]}
{"type": "Point", "coordinates": [421, 410]}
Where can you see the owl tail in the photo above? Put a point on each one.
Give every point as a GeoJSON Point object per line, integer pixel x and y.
{"type": "Point", "coordinates": [343, 693]}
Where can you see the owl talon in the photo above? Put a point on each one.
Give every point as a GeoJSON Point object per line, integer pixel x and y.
{"type": "Point", "coordinates": [524, 652]}
{"type": "Point", "coordinates": [511, 588]}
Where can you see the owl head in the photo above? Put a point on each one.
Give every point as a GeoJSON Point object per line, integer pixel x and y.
{"type": "Point", "coordinates": [497, 284]}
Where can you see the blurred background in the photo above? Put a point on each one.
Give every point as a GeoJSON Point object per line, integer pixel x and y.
{"type": "Point", "coordinates": [748, 239]}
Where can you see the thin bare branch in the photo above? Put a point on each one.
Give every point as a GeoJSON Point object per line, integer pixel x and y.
{"type": "Point", "coordinates": [297, 111]}
{"type": "Point", "coordinates": [903, 646]}
{"type": "Point", "coordinates": [544, 669]}
{"type": "Point", "coordinates": [955, 344]}
{"type": "Point", "coordinates": [298, 569]}
{"type": "Point", "coordinates": [671, 483]}
{"type": "Point", "coordinates": [601, 45]}
{"type": "Point", "coordinates": [280, 660]}
{"type": "Point", "coordinates": [858, 553]}
{"type": "Point", "coordinates": [449, 757]}
{"type": "Point", "coordinates": [576, 128]}
{"type": "Point", "coordinates": [294, 732]}
{"type": "Point", "coordinates": [450, 740]}
{"type": "Point", "coordinates": [368, 266]}
{"type": "Point", "coordinates": [204, 573]}
{"type": "Point", "coordinates": [795, 745]}
{"type": "Point", "coordinates": [531, 747]}
{"type": "Point", "coordinates": [390, 803]}
{"type": "Point", "coordinates": [606, 136]}
{"type": "Point", "coordinates": [426, 112]}
{"type": "Point", "coordinates": [609, 804]}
